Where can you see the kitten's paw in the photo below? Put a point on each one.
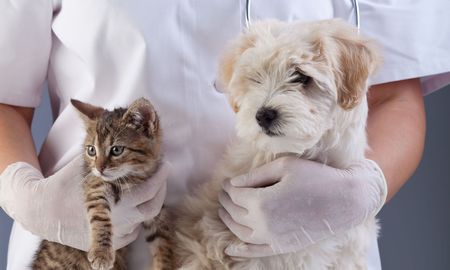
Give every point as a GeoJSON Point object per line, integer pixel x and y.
{"type": "Point", "coordinates": [101, 258]}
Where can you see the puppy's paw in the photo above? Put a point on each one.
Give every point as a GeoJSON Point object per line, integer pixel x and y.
{"type": "Point", "coordinates": [101, 258]}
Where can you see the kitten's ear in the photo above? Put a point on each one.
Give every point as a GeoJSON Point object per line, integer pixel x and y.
{"type": "Point", "coordinates": [87, 111]}
{"type": "Point", "coordinates": [141, 115]}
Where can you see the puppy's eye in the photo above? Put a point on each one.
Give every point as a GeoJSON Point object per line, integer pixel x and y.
{"type": "Point", "coordinates": [90, 150]}
{"type": "Point", "coordinates": [117, 150]}
{"type": "Point", "coordinates": [299, 78]}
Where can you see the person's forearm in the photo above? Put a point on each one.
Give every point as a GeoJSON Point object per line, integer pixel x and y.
{"type": "Point", "coordinates": [16, 142]}
{"type": "Point", "coordinates": [396, 130]}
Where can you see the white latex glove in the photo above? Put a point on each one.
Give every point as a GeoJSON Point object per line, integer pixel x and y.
{"type": "Point", "coordinates": [53, 208]}
{"type": "Point", "coordinates": [291, 203]}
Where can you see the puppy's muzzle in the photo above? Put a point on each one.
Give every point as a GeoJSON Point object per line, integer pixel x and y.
{"type": "Point", "coordinates": [266, 117]}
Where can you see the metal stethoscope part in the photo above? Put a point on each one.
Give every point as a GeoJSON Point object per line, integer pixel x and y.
{"type": "Point", "coordinates": [248, 14]}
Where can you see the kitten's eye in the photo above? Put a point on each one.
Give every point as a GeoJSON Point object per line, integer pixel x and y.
{"type": "Point", "coordinates": [90, 150]}
{"type": "Point", "coordinates": [300, 78]}
{"type": "Point", "coordinates": [117, 150]}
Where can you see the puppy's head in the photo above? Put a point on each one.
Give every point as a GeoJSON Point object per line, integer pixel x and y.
{"type": "Point", "coordinates": [287, 82]}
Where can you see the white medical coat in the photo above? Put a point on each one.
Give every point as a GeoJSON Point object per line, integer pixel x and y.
{"type": "Point", "coordinates": [110, 52]}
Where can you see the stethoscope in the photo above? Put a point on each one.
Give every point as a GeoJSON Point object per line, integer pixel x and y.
{"type": "Point", "coordinates": [248, 4]}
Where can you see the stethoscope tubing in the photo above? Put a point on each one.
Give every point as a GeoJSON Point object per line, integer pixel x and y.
{"type": "Point", "coordinates": [248, 21]}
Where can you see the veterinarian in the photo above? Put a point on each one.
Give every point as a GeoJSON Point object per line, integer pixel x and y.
{"type": "Point", "coordinates": [111, 52]}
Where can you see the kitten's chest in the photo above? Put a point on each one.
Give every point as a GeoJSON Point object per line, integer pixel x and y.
{"type": "Point", "coordinates": [95, 186]}
{"type": "Point", "coordinates": [93, 183]}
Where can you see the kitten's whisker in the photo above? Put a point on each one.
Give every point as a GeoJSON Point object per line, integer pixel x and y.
{"type": "Point", "coordinates": [127, 182]}
{"type": "Point", "coordinates": [86, 177]}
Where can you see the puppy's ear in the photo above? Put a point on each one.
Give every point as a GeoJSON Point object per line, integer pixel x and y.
{"type": "Point", "coordinates": [230, 57]}
{"type": "Point", "coordinates": [228, 62]}
{"type": "Point", "coordinates": [88, 112]}
{"type": "Point", "coordinates": [357, 59]}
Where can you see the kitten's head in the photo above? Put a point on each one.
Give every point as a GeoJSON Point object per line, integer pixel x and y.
{"type": "Point", "coordinates": [121, 143]}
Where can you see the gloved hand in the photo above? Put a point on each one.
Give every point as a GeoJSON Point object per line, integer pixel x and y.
{"type": "Point", "coordinates": [291, 203]}
{"type": "Point", "coordinates": [53, 208]}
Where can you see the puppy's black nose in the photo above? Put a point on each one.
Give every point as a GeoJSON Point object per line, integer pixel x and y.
{"type": "Point", "coordinates": [265, 117]}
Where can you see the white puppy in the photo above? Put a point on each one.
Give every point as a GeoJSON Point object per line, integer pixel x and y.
{"type": "Point", "coordinates": [298, 89]}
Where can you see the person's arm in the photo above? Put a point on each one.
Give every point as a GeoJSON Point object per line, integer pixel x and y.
{"type": "Point", "coordinates": [396, 130]}
{"type": "Point", "coordinates": [16, 141]}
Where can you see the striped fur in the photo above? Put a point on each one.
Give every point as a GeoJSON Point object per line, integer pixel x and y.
{"type": "Point", "coordinates": [160, 238]}
{"type": "Point", "coordinates": [108, 174]}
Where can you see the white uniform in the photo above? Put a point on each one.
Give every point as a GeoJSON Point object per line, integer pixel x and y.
{"type": "Point", "coordinates": [110, 52]}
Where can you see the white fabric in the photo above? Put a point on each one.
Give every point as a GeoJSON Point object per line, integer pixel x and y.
{"type": "Point", "coordinates": [415, 39]}
{"type": "Point", "coordinates": [109, 52]}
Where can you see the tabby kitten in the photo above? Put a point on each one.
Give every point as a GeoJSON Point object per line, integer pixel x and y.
{"type": "Point", "coordinates": [122, 149]}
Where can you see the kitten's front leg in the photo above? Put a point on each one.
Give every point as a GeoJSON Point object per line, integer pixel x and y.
{"type": "Point", "coordinates": [101, 253]}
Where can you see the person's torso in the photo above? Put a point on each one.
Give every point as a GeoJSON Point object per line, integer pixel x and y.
{"type": "Point", "coordinates": [110, 52]}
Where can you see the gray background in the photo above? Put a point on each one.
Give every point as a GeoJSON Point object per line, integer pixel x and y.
{"type": "Point", "coordinates": [415, 224]}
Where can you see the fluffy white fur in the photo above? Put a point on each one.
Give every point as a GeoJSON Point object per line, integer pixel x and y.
{"type": "Point", "coordinates": [323, 120]}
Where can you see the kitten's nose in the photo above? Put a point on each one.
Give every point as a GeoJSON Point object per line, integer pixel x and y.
{"type": "Point", "coordinates": [265, 117]}
{"type": "Point", "coordinates": [101, 168]}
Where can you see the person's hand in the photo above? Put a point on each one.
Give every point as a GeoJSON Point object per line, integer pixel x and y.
{"type": "Point", "coordinates": [53, 208]}
{"type": "Point", "coordinates": [291, 203]}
